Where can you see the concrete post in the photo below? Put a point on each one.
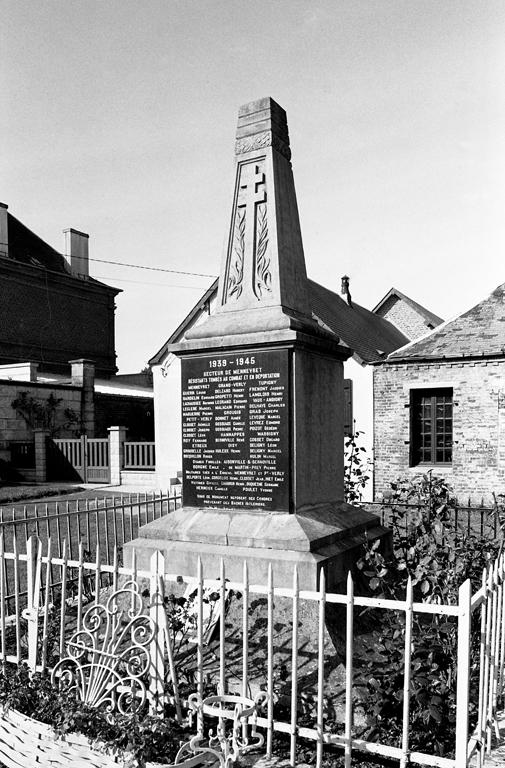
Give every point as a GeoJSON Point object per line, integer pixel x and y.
{"type": "Point", "coordinates": [40, 438]}
{"type": "Point", "coordinates": [117, 437]}
{"type": "Point", "coordinates": [83, 375]}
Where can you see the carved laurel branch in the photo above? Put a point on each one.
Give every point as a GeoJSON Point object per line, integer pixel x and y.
{"type": "Point", "coordinates": [236, 272]}
{"type": "Point", "coordinates": [263, 276]}
{"type": "Point", "coordinates": [260, 141]}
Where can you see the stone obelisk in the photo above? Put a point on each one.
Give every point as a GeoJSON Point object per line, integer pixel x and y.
{"type": "Point", "coordinates": [262, 397]}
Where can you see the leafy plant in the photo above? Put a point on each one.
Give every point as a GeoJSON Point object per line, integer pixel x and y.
{"type": "Point", "coordinates": [141, 736]}
{"type": "Point", "coordinates": [357, 468]}
{"type": "Point", "coordinates": [42, 413]}
{"type": "Point", "coordinates": [438, 557]}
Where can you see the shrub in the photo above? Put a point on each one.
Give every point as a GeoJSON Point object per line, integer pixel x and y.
{"type": "Point", "coordinates": [438, 557]}
{"type": "Point", "coordinates": [143, 736]}
{"type": "Point", "coordinates": [357, 468]}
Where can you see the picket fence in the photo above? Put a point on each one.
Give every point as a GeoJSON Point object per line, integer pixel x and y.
{"type": "Point", "coordinates": [79, 580]}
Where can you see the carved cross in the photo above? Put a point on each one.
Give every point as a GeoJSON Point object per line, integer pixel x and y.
{"type": "Point", "coordinates": [249, 193]}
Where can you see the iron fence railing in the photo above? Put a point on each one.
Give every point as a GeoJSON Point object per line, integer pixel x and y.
{"type": "Point", "coordinates": [23, 640]}
{"type": "Point", "coordinates": [479, 519]}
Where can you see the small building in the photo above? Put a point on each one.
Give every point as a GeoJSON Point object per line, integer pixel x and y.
{"type": "Point", "coordinates": [371, 335]}
{"type": "Point", "coordinates": [439, 405]}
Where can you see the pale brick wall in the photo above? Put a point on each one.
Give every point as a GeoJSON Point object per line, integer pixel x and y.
{"type": "Point", "coordinates": [404, 317]}
{"type": "Point", "coordinates": [478, 467]}
{"type": "Point", "coordinates": [14, 427]}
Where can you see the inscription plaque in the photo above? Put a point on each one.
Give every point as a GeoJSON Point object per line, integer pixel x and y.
{"type": "Point", "coordinates": [235, 430]}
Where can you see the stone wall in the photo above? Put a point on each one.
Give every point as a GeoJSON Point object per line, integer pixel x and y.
{"type": "Point", "coordinates": [404, 317]}
{"type": "Point", "coordinates": [478, 466]}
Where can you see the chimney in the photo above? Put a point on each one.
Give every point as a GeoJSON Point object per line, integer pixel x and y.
{"type": "Point", "coordinates": [4, 233]}
{"type": "Point", "coordinates": [76, 252]}
{"type": "Point", "coordinates": [344, 290]}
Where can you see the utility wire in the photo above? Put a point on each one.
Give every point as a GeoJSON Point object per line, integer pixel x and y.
{"type": "Point", "coordinates": [142, 266]}
{"type": "Point", "coordinates": [143, 282]}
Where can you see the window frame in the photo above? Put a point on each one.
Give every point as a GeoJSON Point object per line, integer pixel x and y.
{"type": "Point", "coordinates": [416, 447]}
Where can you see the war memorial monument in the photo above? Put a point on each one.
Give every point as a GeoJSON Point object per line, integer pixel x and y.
{"type": "Point", "coordinates": [262, 398]}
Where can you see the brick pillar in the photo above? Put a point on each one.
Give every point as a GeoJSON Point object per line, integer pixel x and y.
{"type": "Point", "coordinates": [117, 437]}
{"type": "Point", "coordinates": [4, 230]}
{"type": "Point", "coordinates": [83, 375]}
{"type": "Point", "coordinates": [40, 438]}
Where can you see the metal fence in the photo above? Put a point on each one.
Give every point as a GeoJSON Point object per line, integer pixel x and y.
{"type": "Point", "coordinates": [43, 571]}
{"type": "Point", "coordinates": [86, 525]}
{"type": "Point", "coordinates": [477, 519]}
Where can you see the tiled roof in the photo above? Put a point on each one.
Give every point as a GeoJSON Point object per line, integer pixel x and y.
{"type": "Point", "coordinates": [368, 335]}
{"type": "Point", "coordinates": [480, 332]}
{"type": "Point", "coordinates": [28, 248]}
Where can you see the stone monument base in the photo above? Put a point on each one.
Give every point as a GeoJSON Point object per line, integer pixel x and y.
{"type": "Point", "coordinates": [329, 538]}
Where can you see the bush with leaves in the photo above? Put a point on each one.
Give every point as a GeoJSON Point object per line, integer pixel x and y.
{"type": "Point", "coordinates": [139, 735]}
{"type": "Point", "coordinates": [438, 557]}
{"type": "Point", "coordinates": [357, 468]}
{"type": "Point", "coordinates": [43, 413]}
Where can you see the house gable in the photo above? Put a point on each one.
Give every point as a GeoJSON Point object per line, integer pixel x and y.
{"type": "Point", "coordinates": [411, 318]}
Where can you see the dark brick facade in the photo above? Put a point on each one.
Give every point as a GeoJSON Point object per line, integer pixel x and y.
{"type": "Point", "coordinates": [136, 413]}
{"type": "Point", "coordinates": [478, 465]}
{"type": "Point", "coordinates": [51, 318]}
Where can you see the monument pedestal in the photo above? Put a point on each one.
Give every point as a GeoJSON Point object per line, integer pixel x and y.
{"type": "Point", "coordinates": [331, 540]}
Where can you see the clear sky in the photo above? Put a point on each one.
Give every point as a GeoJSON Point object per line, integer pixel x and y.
{"type": "Point", "coordinates": [118, 119]}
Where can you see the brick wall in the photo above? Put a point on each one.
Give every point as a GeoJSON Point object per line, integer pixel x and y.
{"type": "Point", "coordinates": [404, 317]}
{"type": "Point", "coordinates": [68, 318]}
{"type": "Point", "coordinates": [14, 427]}
{"type": "Point", "coordinates": [478, 466]}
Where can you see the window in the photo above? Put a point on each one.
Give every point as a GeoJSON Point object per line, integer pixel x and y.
{"type": "Point", "coordinates": [431, 426]}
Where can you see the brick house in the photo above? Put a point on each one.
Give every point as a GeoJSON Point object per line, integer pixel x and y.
{"type": "Point", "coordinates": [370, 334]}
{"type": "Point", "coordinates": [57, 341]}
{"type": "Point", "coordinates": [62, 298]}
{"type": "Point", "coordinates": [439, 404]}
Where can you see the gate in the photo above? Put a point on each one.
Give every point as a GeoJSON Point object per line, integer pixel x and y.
{"type": "Point", "coordinates": [85, 459]}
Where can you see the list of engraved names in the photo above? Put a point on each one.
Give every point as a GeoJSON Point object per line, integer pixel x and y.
{"type": "Point", "coordinates": [235, 430]}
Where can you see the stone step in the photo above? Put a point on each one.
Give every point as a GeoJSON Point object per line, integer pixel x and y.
{"type": "Point", "coordinates": [132, 477]}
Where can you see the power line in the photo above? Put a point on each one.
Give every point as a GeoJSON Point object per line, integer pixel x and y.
{"type": "Point", "coordinates": [152, 269]}
{"type": "Point", "coordinates": [142, 282]}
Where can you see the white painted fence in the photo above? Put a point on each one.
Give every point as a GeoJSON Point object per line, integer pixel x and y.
{"type": "Point", "coordinates": [41, 572]}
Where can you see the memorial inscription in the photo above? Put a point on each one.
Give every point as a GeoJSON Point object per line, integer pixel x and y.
{"type": "Point", "coordinates": [235, 430]}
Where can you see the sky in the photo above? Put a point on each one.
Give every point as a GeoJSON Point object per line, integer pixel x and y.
{"type": "Point", "coordinates": [118, 119]}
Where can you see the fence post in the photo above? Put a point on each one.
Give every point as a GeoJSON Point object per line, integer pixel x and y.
{"type": "Point", "coordinates": [156, 607]}
{"type": "Point", "coordinates": [84, 458]}
{"type": "Point", "coordinates": [117, 437]}
{"type": "Point", "coordinates": [33, 568]}
{"type": "Point", "coordinates": [40, 440]}
{"type": "Point", "coordinates": [463, 673]}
